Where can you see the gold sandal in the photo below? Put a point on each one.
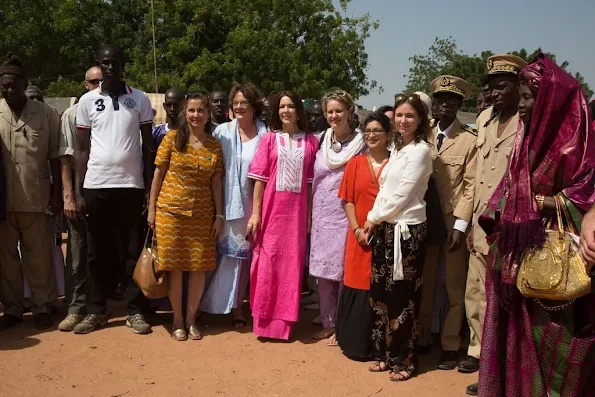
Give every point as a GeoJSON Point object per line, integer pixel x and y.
{"type": "Point", "coordinates": [194, 333]}
{"type": "Point", "coordinates": [179, 334]}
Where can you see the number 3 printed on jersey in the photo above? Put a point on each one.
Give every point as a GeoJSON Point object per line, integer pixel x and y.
{"type": "Point", "coordinates": [100, 106]}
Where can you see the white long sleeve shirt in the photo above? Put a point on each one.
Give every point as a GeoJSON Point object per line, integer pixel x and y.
{"type": "Point", "coordinates": [403, 185]}
{"type": "Point", "coordinates": [400, 201]}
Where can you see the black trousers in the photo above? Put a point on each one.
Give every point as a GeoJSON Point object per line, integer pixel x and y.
{"type": "Point", "coordinates": [113, 221]}
{"type": "Point", "coordinates": [395, 304]}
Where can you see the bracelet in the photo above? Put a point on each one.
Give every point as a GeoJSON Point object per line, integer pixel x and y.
{"type": "Point", "coordinates": [540, 200]}
{"type": "Point", "coordinates": [220, 216]}
{"type": "Point", "coordinates": [357, 231]}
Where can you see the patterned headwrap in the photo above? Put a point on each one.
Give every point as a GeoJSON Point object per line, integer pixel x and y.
{"type": "Point", "coordinates": [12, 65]}
{"type": "Point", "coordinates": [531, 75]}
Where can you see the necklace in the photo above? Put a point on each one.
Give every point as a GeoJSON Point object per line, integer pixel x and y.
{"type": "Point", "coordinates": [373, 165]}
{"type": "Point", "coordinates": [337, 146]}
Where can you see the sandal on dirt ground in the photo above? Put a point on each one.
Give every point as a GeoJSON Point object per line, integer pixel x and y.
{"type": "Point", "coordinates": [332, 341]}
{"type": "Point", "coordinates": [324, 334]}
{"type": "Point", "coordinates": [401, 375]}
{"type": "Point", "coordinates": [179, 334]}
{"type": "Point", "coordinates": [379, 366]}
{"type": "Point", "coordinates": [194, 333]}
{"type": "Point", "coordinates": [239, 323]}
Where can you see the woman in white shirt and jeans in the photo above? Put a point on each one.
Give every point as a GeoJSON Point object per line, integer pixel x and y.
{"type": "Point", "coordinates": [397, 224]}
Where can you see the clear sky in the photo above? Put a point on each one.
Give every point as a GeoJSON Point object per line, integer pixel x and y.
{"type": "Point", "coordinates": [407, 27]}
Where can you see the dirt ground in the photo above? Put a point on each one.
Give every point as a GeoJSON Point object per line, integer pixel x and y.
{"type": "Point", "coordinates": [114, 362]}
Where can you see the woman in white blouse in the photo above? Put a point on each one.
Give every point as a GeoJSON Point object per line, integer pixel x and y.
{"type": "Point", "coordinates": [397, 226]}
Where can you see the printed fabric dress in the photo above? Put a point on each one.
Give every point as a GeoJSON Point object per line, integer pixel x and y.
{"type": "Point", "coordinates": [354, 315]}
{"type": "Point", "coordinates": [185, 208]}
{"type": "Point", "coordinates": [286, 166]}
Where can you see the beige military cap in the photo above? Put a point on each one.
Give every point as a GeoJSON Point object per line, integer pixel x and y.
{"type": "Point", "coordinates": [505, 63]}
{"type": "Point", "coordinates": [453, 84]}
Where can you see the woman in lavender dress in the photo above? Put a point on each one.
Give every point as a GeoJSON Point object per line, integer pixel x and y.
{"type": "Point", "coordinates": [338, 145]}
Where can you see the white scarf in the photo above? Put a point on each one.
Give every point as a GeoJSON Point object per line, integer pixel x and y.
{"type": "Point", "coordinates": [350, 150]}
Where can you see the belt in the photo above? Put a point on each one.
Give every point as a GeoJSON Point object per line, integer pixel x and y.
{"type": "Point", "coordinates": [401, 230]}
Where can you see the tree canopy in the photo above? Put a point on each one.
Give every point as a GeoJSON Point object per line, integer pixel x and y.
{"type": "Point", "coordinates": [444, 57]}
{"type": "Point", "coordinates": [302, 45]}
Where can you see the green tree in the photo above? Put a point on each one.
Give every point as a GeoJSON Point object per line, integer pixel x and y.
{"type": "Point", "coordinates": [443, 57]}
{"type": "Point", "coordinates": [303, 45]}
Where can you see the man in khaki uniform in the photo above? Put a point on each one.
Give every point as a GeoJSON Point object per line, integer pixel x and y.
{"type": "Point", "coordinates": [30, 133]}
{"type": "Point", "coordinates": [497, 126]}
{"type": "Point", "coordinates": [454, 160]}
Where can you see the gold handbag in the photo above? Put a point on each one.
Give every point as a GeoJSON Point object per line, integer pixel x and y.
{"type": "Point", "coordinates": [556, 271]}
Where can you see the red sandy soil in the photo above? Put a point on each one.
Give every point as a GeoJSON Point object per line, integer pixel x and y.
{"type": "Point", "coordinates": [113, 362]}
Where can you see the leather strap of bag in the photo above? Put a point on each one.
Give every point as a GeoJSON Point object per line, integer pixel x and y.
{"type": "Point", "coordinates": [559, 217]}
{"type": "Point", "coordinates": [147, 238]}
{"type": "Point", "coordinates": [566, 213]}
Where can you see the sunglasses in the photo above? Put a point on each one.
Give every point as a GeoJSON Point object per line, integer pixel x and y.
{"type": "Point", "coordinates": [336, 94]}
{"type": "Point", "coordinates": [399, 98]}
{"type": "Point", "coordinates": [94, 81]}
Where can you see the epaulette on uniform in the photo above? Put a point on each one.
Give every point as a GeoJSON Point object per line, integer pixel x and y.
{"type": "Point", "coordinates": [470, 129]}
{"type": "Point", "coordinates": [483, 110]}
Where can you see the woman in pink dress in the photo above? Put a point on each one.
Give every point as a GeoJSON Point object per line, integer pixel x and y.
{"type": "Point", "coordinates": [282, 169]}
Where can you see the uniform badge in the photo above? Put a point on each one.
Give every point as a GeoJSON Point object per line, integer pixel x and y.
{"type": "Point", "coordinates": [445, 81]}
{"type": "Point", "coordinates": [490, 64]}
{"type": "Point", "coordinates": [129, 103]}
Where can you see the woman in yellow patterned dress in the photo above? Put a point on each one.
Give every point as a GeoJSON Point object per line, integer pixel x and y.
{"type": "Point", "coordinates": [185, 209]}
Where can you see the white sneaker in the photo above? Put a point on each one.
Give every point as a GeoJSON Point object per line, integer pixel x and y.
{"type": "Point", "coordinates": [70, 322]}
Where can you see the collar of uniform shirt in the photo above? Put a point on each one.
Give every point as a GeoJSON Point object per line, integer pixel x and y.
{"type": "Point", "coordinates": [446, 131]}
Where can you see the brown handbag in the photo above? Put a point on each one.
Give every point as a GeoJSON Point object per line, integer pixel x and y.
{"type": "Point", "coordinates": [153, 283]}
{"type": "Point", "coordinates": [556, 271]}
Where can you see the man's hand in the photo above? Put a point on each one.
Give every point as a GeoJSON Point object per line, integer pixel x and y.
{"type": "Point", "coordinates": [470, 246]}
{"type": "Point", "coordinates": [587, 242]}
{"type": "Point", "coordinates": [70, 207]}
{"type": "Point", "coordinates": [455, 239]}
{"type": "Point", "coordinates": [81, 207]}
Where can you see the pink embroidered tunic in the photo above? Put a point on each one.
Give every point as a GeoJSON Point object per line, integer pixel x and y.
{"type": "Point", "coordinates": [286, 165]}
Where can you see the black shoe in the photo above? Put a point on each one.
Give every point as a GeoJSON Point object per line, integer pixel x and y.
{"type": "Point", "coordinates": [448, 361]}
{"type": "Point", "coordinates": [8, 321]}
{"type": "Point", "coordinates": [472, 389]}
{"type": "Point", "coordinates": [469, 365]}
{"type": "Point", "coordinates": [42, 321]}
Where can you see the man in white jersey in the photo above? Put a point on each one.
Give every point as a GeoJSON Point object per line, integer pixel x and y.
{"type": "Point", "coordinates": [110, 185]}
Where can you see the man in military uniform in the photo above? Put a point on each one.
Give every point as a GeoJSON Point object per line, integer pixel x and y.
{"type": "Point", "coordinates": [454, 161]}
{"type": "Point", "coordinates": [497, 126]}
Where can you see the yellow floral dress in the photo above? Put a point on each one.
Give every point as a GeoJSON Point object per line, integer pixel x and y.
{"type": "Point", "coordinates": [185, 207]}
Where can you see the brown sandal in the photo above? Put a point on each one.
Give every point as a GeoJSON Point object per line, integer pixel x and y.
{"type": "Point", "coordinates": [324, 334]}
{"type": "Point", "coordinates": [400, 376]}
{"type": "Point", "coordinates": [379, 366]}
{"type": "Point", "coordinates": [194, 333]}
